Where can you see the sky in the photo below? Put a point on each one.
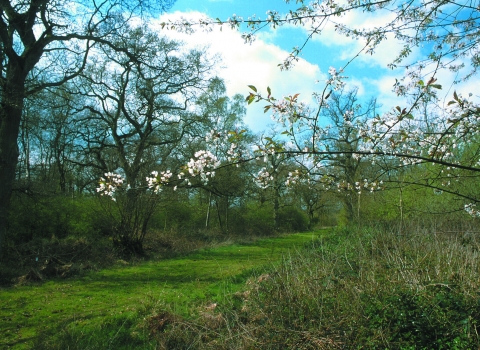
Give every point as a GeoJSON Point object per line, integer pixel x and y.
{"type": "Point", "coordinates": [257, 63]}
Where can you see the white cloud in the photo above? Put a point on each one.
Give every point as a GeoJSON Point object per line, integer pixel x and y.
{"type": "Point", "coordinates": [250, 64]}
{"type": "Point", "coordinates": [256, 64]}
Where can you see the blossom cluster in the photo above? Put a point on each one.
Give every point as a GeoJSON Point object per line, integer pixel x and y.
{"type": "Point", "coordinates": [158, 180]}
{"type": "Point", "coordinates": [288, 111]}
{"type": "Point", "coordinates": [220, 141]}
{"type": "Point", "coordinates": [359, 186]}
{"type": "Point", "coordinates": [472, 210]}
{"type": "Point", "coordinates": [203, 165]}
{"type": "Point", "coordinates": [263, 178]}
{"type": "Point", "coordinates": [109, 184]}
{"type": "Point", "coordinates": [233, 152]}
{"type": "Point", "coordinates": [213, 137]}
{"type": "Point", "coordinates": [296, 177]}
{"type": "Point", "coordinates": [336, 80]}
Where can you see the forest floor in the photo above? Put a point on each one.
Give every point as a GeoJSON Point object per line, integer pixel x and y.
{"type": "Point", "coordinates": [109, 299]}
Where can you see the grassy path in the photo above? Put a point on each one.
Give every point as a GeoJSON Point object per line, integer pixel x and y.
{"type": "Point", "coordinates": [204, 276]}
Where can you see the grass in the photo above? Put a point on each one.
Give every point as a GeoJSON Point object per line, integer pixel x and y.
{"type": "Point", "coordinates": [356, 289]}
{"type": "Point", "coordinates": [101, 308]}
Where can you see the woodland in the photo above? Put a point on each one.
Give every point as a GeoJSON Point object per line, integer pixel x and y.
{"type": "Point", "coordinates": [121, 147]}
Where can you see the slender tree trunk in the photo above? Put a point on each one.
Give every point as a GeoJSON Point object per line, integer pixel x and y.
{"type": "Point", "coordinates": [358, 206]}
{"type": "Point", "coordinates": [226, 214]}
{"type": "Point", "coordinates": [11, 106]}
{"type": "Point", "coordinates": [348, 201]}
{"type": "Point", "coordinates": [276, 206]}
{"type": "Point", "coordinates": [207, 220]}
{"type": "Point", "coordinates": [218, 215]}
{"type": "Point", "coordinates": [26, 147]}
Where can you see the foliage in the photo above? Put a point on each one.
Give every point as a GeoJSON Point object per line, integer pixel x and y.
{"type": "Point", "coordinates": [52, 217]}
{"type": "Point", "coordinates": [292, 220]}
{"type": "Point", "coordinates": [44, 45]}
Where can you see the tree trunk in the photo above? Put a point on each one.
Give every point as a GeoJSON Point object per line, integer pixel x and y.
{"type": "Point", "coordinates": [218, 215]}
{"type": "Point", "coordinates": [207, 220]}
{"type": "Point", "coordinates": [276, 206]}
{"type": "Point", "coordinates": [348, 201]}
{"type": "Point", "coordinates": [226, 214]}
{"type": "Point", "coordinates": [11, 106]}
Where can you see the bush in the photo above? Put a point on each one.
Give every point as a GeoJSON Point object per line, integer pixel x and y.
{"type": "Point", "coordinates": [34, 217]}
{"type": "Point", "coordinates": [292, 220]}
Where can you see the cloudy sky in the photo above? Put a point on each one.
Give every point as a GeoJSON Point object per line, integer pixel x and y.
{"type": "Point", "coordinates": [257, 63]}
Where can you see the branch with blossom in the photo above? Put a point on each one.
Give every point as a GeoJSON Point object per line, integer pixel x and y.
{"type": "Point", "coordinates": [108, 185]}
{"type": "Point", "coordinates": [202, 166]}
{"type": "Point", "coordinates": [448, 29]}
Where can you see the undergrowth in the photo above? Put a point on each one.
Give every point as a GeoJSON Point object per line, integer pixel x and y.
{"type": "Point", "coordinates": [357, 289]}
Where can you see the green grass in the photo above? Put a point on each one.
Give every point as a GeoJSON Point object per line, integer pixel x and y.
{"type": "Point", "coordinates": [107, 303]}
{"type": "Point", "coordinates": [357, 288]}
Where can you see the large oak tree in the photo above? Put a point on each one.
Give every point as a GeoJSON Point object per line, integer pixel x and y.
{"type": "Point", "coordinates": [46, 43]}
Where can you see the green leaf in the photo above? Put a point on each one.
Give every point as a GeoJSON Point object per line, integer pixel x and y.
{"type": "Point", "coordinates": [269, 91]}
{"type": "Point", "coordinates": [436, 86]}
{"type": "Point", "coordinates": [252, 87]}
{"type": "Point", "coordinates": [266, 108]}
{"type": "Point", "coordinates": [421, 83]}
{"type": "Point", "coordinates": [451, 103]}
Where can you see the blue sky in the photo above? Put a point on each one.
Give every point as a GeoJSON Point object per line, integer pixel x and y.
{"type": "Point", "coordinates": [256, 64]}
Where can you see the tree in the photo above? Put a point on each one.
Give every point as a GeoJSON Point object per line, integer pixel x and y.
{"type": "Point", "coordinates": [49, 142]}
{"type": "Point", "coordinates": [346, 116]}
{"type": "Point", "coordinates": [227, 138]}
{"type": "Point", "coordinates": [138, 106]}
{"type": "Point", "coordinates": [274, 175]}
{"type": "Point", "coordinates": [46, 43]}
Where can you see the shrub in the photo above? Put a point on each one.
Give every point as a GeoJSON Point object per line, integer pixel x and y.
{"type": "Point", "coordinates": [292, 219]}
{"type": "Point", "coordinates": [33, 217]}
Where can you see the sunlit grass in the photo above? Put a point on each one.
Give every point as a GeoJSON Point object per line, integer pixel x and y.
{"type": "Point", "coordinates": [103, 303]}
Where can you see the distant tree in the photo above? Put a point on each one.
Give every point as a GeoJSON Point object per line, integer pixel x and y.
{"type": "Point", "coordinates": [228, 138]}
{"type": "Point", "coordinates": [345, 115]}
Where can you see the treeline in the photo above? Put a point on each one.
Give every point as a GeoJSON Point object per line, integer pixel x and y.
{"type": "Point", "coordinates": [149, 105]}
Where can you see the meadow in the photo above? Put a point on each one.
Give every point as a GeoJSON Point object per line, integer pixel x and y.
{"type": "Point", "coordinates": [103, 307]}
{"type": "Point", "coordinates": [338, 288]}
